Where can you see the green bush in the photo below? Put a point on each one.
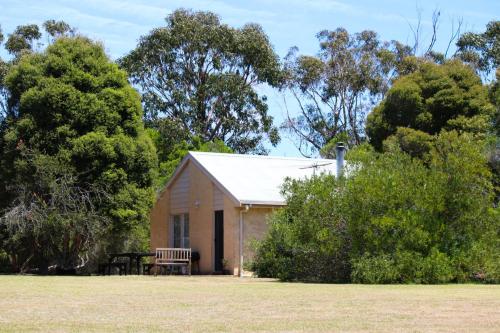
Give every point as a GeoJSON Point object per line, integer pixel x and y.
{"type": "Point", "coordinates": [404, 267]}
{"type": "Point", "coordinates": [437, 268]}
{"type": "Point", "coordinates": [308, 240]}
{"type": "Point", "coordinates": [395, 219]}
{"type": "Point", "coordinates": [409, 266]}
{"type": "Point", "coordinates": [378, 269]}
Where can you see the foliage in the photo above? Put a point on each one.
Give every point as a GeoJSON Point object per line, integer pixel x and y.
{"type": "Point", "coordinates": [448, 96]}
{"type": "Point", "coordinates": [374, 270]}
{"type": "Point", "coordinates": [52, 221]}
{"type": "Point", "coordinates": [481, 50]}
{"type": "Point", "coordinates": [4, 93]}
{"type": "Point", "coordinates": [413, 142]}
{"type": "Point", "coordinates": [403, 219]}
{"type": "Point", "coordinates": [335, 89]}
{"type": "Point", "coordinates": [179, 151]}
{"type": "Point", "coordinates": [202, 75]}
{"type": "Point", "coordinates": [57, 29]}
{"type": "Point", "coordinates": [329, 149]}
{"type": "Point", "coordinates": [307, 240]}
{"type": "Point", "coordinates": [71, 104]}
{"type": "Point", "coordinates": [172, 144]}
{"type": "Point", "coordinates": [25, 39]}
{"type": "Point", "coordinates": [495, 99]}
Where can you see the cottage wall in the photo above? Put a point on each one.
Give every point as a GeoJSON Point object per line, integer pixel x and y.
{"type": "Point", "coordinates": [254, 228]}
{"type": "Point", "coordinates": [201, 217]}
{"type": "Point", "coordinates": [194, 192]}
{"type": "Point", "coordinates": [160, 217]}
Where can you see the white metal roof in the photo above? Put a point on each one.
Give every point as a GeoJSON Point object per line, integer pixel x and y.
{"type": "Point", "coordinates": [255, 179]}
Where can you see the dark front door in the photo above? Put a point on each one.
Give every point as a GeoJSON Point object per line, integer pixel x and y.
{"type": "Point", "coordinates": [219, 240]}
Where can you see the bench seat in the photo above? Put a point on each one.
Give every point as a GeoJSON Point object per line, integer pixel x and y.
{"type": "Point", "coordinates": [172, 257]}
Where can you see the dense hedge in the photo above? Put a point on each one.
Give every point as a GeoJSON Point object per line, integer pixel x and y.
{"type": "Point", "coordinates": [394, 219]}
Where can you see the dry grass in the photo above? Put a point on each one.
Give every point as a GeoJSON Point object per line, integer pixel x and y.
{"type": "Point", "coordinates": [209, 304]}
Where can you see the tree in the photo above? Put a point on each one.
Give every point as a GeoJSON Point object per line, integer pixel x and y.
{"type": "Point", "coordinates": [495, 99]}
{"type": "Point", "coordinates": [203, 75]}
{"type": "Point", "coordinates": [26, 38]}
{"type": "Point", "coordinates": [52, 221]}
{"type": "Point", "coordinates": [481, 50]}
{"type": "Point", "coordinates": [57, 29]}
{"type": "Point", "coordinates": [172, 144]}
{"type": "Point", "coordinates": [335, 89]}
{"type": "Point", "coordinates": [23, 40]}
{"type": "Point", "coordinates": [179, 151]}
{"type": "Point", "coordinates": [435, 97]}
{"type": "Point", "coordinates": [72, 104]}
{"type": "Point", "coordinates": [494, 151]}
{"type": "Point", "coordinates": [3, 89]}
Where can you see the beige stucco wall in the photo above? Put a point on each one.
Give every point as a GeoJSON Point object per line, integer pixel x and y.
{"type": "Point", "coordinates": [254, 228]}
{"type": "Point", "coordinates": [231, 235]}
{"type": "Point", "coordinates": [159, 218]}
{"type": "Point", "coordinates": [201, 222]}
{"type": "Point", "coordinates": [201, 218]}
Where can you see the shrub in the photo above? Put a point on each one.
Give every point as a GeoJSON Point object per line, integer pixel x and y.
{"type": "Point", "coordinates": [395, 219]}
{"type": "Point", "coordinates": [437, 268]}
{"type": "Point", "coordinates": [308, 240]}
{"type": "Point", "coordinates": [377, 269]}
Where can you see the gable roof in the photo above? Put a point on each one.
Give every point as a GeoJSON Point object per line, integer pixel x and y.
{"type": "Point", "coordinates": [254, 179]}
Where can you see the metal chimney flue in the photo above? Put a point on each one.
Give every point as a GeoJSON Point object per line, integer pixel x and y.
{"type": "Point", "coordinates": [340, 153]}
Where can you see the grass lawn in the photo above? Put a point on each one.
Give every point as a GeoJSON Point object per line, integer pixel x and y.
{"type": "Point", "coordinates": [210, 304]}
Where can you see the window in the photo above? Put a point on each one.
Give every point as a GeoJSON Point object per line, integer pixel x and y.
{"type": "Point", "coordinates": [180, 230]}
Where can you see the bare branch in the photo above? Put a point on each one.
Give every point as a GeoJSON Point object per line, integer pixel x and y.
{"type": "Point", "coordinates": [435, 23]}
{"type": "Point", "coordinates": [455, 33]}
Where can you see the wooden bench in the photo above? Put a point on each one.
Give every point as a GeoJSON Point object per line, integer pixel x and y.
{"type": "Point", "coordinates": [172, 257]}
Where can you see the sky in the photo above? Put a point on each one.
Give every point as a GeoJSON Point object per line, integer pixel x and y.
{"type": "Point", "coordinates": [118, 24]}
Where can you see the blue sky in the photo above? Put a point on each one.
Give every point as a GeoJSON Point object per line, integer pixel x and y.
{"type": "Point", "coordinates": [119, 23]}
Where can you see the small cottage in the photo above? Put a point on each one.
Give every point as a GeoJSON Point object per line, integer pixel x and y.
{"type": "Point", "coordinates": [216, 204]}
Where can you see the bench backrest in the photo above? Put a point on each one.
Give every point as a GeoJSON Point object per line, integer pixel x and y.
{"type": "Point", "coordinates": [172, 255]}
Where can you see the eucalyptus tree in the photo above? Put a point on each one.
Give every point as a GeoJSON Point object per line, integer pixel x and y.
{"type": "Point", "coordinates": [204, 76]}
{"type": "Point", "coordinates": [335, 89]}
{"type": "Point", "coordinates": [3, 89]}
{"type": "Point", "coordinates": [482, 50]}
{"type": "Point", "coordinates": [23, 38]}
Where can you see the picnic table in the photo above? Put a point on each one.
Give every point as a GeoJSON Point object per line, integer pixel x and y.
{"type": "Point", "coordinates": [135, 257]}
{"type": "Point", "coordinates": [132, 256]}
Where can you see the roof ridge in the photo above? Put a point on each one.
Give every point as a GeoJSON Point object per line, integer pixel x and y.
{"type": "Point", "coordinates": [193, 153]}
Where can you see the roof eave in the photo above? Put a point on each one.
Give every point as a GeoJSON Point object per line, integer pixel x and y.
{"type": "Point", "coordinates": [214, 180]}
{"type": "Point", "coordinates": [263, 202]}
{"type": "Point", "coordinates": [178, 170]}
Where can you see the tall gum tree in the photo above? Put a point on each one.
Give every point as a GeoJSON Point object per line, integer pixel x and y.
{"type": "Point", "coordinates": [335, 89]}
{"type": "Point", "coordinates": [203, 75]}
